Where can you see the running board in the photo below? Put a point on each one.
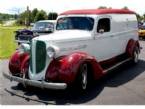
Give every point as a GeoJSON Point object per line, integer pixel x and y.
{"type": "Point", "coordinates": [116, 65]}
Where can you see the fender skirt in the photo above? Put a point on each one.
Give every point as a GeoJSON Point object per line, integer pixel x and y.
{"type": "Point", "coordinates": [65, 68]}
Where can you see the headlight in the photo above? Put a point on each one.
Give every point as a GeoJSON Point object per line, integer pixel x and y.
{"type": "Point", "coordinates": [24, 48]}
{"type": "Point", "coordinates": [35, 34]}
{"type": "Point", "coordinates": [50, 52]}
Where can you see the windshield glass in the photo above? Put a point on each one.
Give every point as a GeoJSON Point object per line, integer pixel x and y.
{"type": "Point", "coordinates": [42, 25]}
{"type": "Point", "coordinates": [81, 23]}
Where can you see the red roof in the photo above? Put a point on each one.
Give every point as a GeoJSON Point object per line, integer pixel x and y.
{"type": "Point", "coordinates": [98, 11]}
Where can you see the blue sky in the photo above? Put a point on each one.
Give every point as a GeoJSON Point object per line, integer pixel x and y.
{"type": "Point", "coordinates": [15, 6]}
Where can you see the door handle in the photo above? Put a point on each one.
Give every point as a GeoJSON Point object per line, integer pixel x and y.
{"type": "Point", "coordinates": [111, 35]}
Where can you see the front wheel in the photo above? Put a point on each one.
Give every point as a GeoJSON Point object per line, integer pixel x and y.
{"type": "Point", "coordinates": [136, 56]}
{"type": "Point", "coordinates": [83, 77]}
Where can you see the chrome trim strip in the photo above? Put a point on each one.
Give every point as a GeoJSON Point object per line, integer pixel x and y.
{"type": "Point", "coordinates": [118, 64]}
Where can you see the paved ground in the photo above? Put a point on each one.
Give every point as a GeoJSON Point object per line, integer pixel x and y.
{"type": "Point", "coordinates": [125, 85]}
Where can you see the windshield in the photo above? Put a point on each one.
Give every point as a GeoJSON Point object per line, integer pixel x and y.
{"type": "Point", "coordinates": [42, 25]}
{"type": "Point", "coordinates": [81, 23]}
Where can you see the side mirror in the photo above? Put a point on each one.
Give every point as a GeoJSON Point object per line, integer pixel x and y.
{"type": "Point", "coordinates": [101, 31]}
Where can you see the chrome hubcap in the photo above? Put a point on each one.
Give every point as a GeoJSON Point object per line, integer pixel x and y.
{"type": "Point", "coordinates": [84, 76]}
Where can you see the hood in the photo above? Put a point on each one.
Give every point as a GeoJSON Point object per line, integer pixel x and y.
{"type": "Point", "coordinates": [65, 35]}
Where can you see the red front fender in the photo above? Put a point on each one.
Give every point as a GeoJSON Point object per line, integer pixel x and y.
{"type": "Point", "coordinates": [66, 68]}
{"type": "Point", "coordinates": [16, 62]}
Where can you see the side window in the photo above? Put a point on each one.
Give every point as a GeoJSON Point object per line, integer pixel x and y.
{"type": "Point", "coordinates": [103, 25]}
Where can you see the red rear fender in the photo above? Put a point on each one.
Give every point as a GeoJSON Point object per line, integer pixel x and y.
{"type": "Point", "coordinates": [131, 46]}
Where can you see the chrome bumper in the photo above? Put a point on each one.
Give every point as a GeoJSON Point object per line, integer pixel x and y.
{"type": "Point", "coordinates": [40, 84]}
{"type": "Point", "coordinates": [22, 41]}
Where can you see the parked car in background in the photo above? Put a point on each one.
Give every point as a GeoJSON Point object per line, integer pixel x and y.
{"type": "Point", "coordinates": [85, 46]}
{"type": "Point", "coordinates": [39, 28]}
{"type": "Point", "coordinates": [141, 31]}
{"type": "Point", "coordinates": [140, 24]}
{"type": "Point", "coordinates": [44, 26]}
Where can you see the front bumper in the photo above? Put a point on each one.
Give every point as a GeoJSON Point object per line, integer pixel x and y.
{"type": "Point", "coordinates": [39, 84]}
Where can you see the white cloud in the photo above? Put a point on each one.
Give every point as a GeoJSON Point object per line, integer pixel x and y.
{"type": "Point", "coordinates": [62, 5]}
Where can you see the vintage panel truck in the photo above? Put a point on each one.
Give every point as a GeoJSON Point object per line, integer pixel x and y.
{"type": "Point", "coordinates": [86, 44]}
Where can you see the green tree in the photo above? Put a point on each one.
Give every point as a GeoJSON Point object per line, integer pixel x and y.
{"type": "Point", "coordinates": [52, 16]}
{"type": "Point", "coordinates": [22, 18]}
{"type": "Point", "coordinates": [33, 14]}
{"type": "Point", "coordinates": [5, 17]}
{"type": "Point", "coordinates": [25, 18]}
{"type": "Point", "coordinates": [143, 17]}
{"type": "Point", "coordinates": [41, 15]}
{"type": "Point", "coordinates": [1, 22]}
{"type": "Point", "coordinates": [28, 18]}
{"type": "Point", "coordinates": [139, 18]}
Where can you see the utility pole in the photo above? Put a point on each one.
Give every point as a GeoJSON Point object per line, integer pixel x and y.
{"type": "Point", "coordinates": [27, 19]}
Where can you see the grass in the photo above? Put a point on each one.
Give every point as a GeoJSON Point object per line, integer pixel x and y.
{"type": "Point", "coordinates": [7, 41]}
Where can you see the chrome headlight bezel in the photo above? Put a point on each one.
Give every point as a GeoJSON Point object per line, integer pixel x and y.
{"type": "Point", "coordinates": [24, 48]}
{"type": "Point", "coordinates": [51, 52]}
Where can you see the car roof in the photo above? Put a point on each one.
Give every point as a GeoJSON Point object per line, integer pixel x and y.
{"type": "Point", "coordinates": [98, 11]}
{"type": "Point", "coordinates": [51, 21]}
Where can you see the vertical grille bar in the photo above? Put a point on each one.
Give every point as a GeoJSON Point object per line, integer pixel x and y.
{"type": "Point", "coordinates": [31, 57]}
